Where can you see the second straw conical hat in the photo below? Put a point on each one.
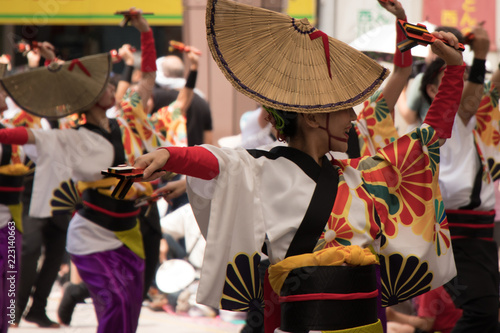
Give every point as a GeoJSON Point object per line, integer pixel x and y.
{"type": "Point", "coordinates": [59, 90]}
{"type": "Point", "coordinates": [287, 64]}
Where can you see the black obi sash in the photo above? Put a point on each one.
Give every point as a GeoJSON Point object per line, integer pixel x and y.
{"type": "Point", "coordinates": [109, 213]}
{"type": "Point", "coordinates": [471, 224]}
{"type": "Point", "coordinates": [329, 298]}
{"type": "Point", "coordinates": [11, 188]}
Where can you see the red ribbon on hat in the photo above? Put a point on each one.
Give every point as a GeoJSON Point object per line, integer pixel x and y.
{"type": "Point", "coordinates": [82, 67]}
{"type": "Point", "coordinates": [326, 46]}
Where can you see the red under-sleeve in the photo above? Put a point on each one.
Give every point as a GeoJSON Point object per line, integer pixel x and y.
{"type": "Point", "coordinates": [14, 136]}
{"type": "Point", "coordinates": [192, 161]}
{"type": "Point", "coordinates": [401, 59]}
{"type": "Point", "coordinates": [148, 52]}
{"type": "Point", "coordinates": [444, 107]}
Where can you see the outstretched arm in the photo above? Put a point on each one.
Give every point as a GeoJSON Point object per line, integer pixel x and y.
{"type": "Point", "coordinates": [17, 136]}
{"type": "Point", "coordinates": [194, 161]}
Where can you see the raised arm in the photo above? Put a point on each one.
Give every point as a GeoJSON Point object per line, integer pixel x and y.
{"type": "Point", "coordinates": [125, 52]}
{"type": "Point", "coordinates": [148, 58]}
{"type": "Point", "coordinates": [186, 94]}
{"type": "Point", "coordinates": [445, 105]}
{"type": "Point", "coordinates": [473, 87]}
{"type": "Point", "coordinates": [402, 61]}
{"type": "Point", "coordinates": [47, 51]}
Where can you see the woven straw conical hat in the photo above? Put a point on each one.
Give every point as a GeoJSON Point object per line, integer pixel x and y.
{"type": "Point", "coordinates": [282, 63]}
{"type": "Point", "coordinates": [59, 90]}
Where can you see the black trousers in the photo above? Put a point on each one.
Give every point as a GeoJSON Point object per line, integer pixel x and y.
{"type": "Point", "coordinates": [151, 236]}
{"type": "Point", "coordinates": [47, 235]}
{"type": "Point", "coordinates": [475, 288]}
{"type": "Point", "coordinates": [73, 294]}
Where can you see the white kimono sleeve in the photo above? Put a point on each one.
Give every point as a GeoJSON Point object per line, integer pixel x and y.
{"type": "Point", "coordinates": [236, 233]}
{"type": "Point", "coordinates": [64, 154]}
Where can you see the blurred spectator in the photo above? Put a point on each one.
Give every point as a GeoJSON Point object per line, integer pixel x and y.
{"type": "Point", "coordinates": [256, 131]}
{"type": "Point", "coordinates": [436, 313]}
{"type": "Point", "coordinates": [182, 239]}
{"type": "Point", "coordinates": [170, 78]}
{"type": "Point", "coordinates": [413, 106]}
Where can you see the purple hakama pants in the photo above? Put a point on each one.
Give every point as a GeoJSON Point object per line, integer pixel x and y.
{"type": "Point", "coordinates": [115, 280]}
{"type": "Point", "coordinates": [10, 255]}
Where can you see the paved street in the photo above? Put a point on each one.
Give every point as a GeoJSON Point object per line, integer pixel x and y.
{"type": "Point", "coordinates": [84, 321]}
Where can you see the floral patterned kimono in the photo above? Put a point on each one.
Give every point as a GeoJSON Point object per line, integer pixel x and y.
{"type": "Point", "coordinates": [172, 124]}
{"type": "Point", "coordinates": [471, 229]}
{"type": "Point", "coordinates": [488, 129]}
{"type": "Point", "coordinates": [389, 203]}
{"type": "Point", "coordinates": [375, 125]}
{"type": "Point", "coordinates": [252, 202]}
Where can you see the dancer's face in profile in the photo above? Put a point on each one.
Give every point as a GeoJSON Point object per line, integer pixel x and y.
{"type": "Point", "coordinates": [107, 99]}
{"type": "Point", "coordinates": [337, 124]}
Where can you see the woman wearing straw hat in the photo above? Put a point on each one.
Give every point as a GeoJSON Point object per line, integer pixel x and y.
{"type": "Point", "coordinates": [104, 239]}
{"type": "Point", "coordinates": [318, 220]}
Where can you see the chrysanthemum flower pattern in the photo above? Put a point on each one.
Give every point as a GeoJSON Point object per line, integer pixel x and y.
{"type": "Point", "coordinates": [242, 288]}
{"type": "Point", "coordinates": [488, 116]}
{"type": "Point", "coordinates": [403, 278]}
{"type": "Point", "coordinates": [488, 130]}
{"type": "Point", "coordinates": [65, 199]}
{"type": "Point", "coordinates": [137, 132]}
{"type": "Point", "coordinates": [376, 115]}
{"type": "Point", "coordinates": [441, 233]}
{"type": "Point", "coordinates": [344, 225]}
{"type": "Point", "coordinates": [402, 183]}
